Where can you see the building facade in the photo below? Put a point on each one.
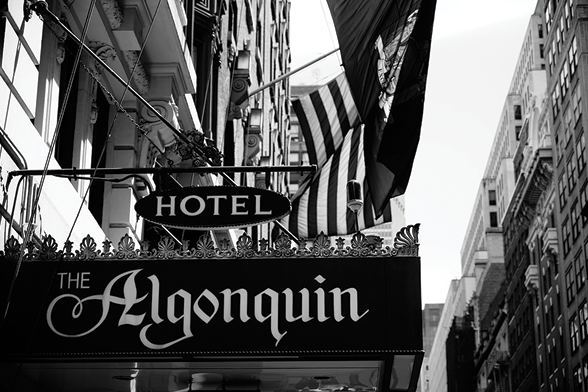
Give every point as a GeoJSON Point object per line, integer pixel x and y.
{"type": "Point", "coordinates": [565, 40]}
{"type": "Point", "coordinates": [431, 318]}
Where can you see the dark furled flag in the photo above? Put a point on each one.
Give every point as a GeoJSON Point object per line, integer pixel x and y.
{"type": "Point", "coordinates": [385, 46]}
{"type": "Point", "coordinates": [334, 138]}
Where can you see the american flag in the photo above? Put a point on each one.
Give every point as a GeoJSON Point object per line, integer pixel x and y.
{"type": "Point", "coordinates": [334, 137]}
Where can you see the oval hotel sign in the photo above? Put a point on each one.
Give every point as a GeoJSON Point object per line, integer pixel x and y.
{"type": "Point", "coordinates": [213, 207]}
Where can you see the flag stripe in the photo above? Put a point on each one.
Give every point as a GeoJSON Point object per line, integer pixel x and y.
{"type": "Point", "coordinates": [311, 209]}
{"type": "Point", "coordinates": [339, 106]}
{"type": "Point", "coordinates": [335, 131]}
{"type": "Point", "coordinates": [332, 194]}
{"type": "Point", "coordinates": [324, 125]}
{"type": "Point", "coordinates": [305, 128]}
{"type": "Point", "coordinates": [291, 221]}
{"type": "Point", "coordinates": [343, 179]}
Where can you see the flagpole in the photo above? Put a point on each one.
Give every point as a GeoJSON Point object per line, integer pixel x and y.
{"type": "Point", "coordinates": [288, 74]}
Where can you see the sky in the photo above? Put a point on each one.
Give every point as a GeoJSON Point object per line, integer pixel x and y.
{"type": "Point", "coordinates": [474, 52]}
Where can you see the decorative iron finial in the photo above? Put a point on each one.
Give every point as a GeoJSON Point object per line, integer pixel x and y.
{"type": "Point", "coordinates": [405, 244]}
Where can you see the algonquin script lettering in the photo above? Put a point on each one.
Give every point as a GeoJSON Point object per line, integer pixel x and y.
{"type": "Point", "coordinates": [185, 308]}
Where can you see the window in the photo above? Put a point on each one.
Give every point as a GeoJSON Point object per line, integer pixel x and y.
{"type": "Point", "coordinates": [577, 378]}
{"type": "Point", "coordinates": [568, 124]}
{"type": "Point", "coordinates": [540, 30]}
{"type": "Point", "coordinates": [558, 148]}
{"type": "Point", "coordinates": [575, 218]}
{"type": "Point", "coordinates": [571, 171]}
{"type": "Point", "coordinates": [517, 112]}
{"type": "Point", "coordinates": [492, 197]}
{"type": "Point", "coordinates": [570, 283]}
{"type": "Point", "coordinates": [577, 104]}
{"type": "Point", "coordinates": [548, 15]}
{"type": "Point", "coordinates": [545, 275]}
{"type": "Point", "coordinates": [562, 188]}
{"type": "Point", "coordinates": [583, 312]}
{"type": "Point", "coordinates": [562, 30]}
{"type": "Point", "coordinates": [556, 100]}
{"type": "Point", "coordinates": [583, 200]}
{"type": "Point", "coordinates": [565, 232]}
{"type": "Point", "coordinates": [564, 78]}
{"type": "Point", "coordinates": [580, 271]}
{"type": "Point", "coordinates": [574, 335]}
{"type": "Point", "coordinates": [571, 3]}
{"type": "Point", "coordinates": [573, 57]}
{"type": "Point", "coordinates": [493, 219]}
{"type": "Point", "coordinates": [559, 38]}
{"type": "Point", "coordinates": [581, 152]}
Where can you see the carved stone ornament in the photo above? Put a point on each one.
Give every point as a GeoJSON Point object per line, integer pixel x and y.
{"type": "Point", "coordinates": [113, 13]}
{"type": "Point", "coordinates": [103, 50]}
{"type": "Point", "coordinates": [94, 112]}
{"type": "Point", "coordinates": [405, 244]}
{"type": "Point", "coordinates": [61, 36]}
{"type": "Point", "coordinates": [60, 52]}
{"type": "Point", "coordinates": [253, 143]}
{"type": "Point", "coordinates": [139, 75]}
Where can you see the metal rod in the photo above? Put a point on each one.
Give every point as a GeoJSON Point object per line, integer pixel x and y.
{"type": "Point", "coordinates": [288, 74]}
{"type": "Point", "coordinates": [41, 8]}
{"type": "Point", "coordinates": [164, 170]}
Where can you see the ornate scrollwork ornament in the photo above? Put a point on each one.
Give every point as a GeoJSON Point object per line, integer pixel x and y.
{"type": "Point", "coordinates": [406, 244]}
{"type": "Point", "coordinates": [205, 247]}
{"type": "Point", "coordinates": [407, 240]}
{"type": "Point", "coordinates": [198, 149]}
{"type": "Point", "coordinates": [12, 249]}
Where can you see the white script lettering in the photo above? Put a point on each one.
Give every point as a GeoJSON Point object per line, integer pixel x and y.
{"type": "Point", "coordinates": [181, 308]}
